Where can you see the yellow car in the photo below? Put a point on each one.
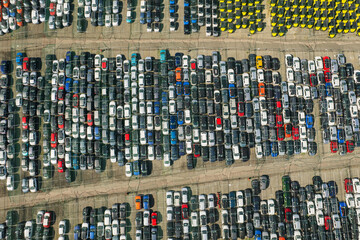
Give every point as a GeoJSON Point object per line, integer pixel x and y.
{"type": "Point", "coordinates": [274, 31]}
{"type": "Point", "coordinates": [260, 26]}
{"type": "Point", "coordinates": [252, 28]}
{"type": "Point", "coordinates": [238, 23]}
{"type": "Point", "coordinates": [245, 23]}
{"type": "Point", "coordinates": [259, 62]}
{"type": "Point", "coordinates": [318, 25]}
{"type": "Point", "coordinates": [353, 27]}
{"type": "Point", "coordinates": [273, 3]}
{"type": "Point", "coordinates": [332, 33]}
{"type": "Point", "coordinates": [274, 21]}
{"type": "Point", "coordinates": [273, 11]}
{"type": "Point", "coordinates": [288, 24]}
{"type": "Point", "coordinates": [244, 11]}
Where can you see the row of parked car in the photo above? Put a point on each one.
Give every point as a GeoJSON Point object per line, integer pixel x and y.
{"type": "Point", "coordinates": [296, 212]}
{"type": "Point", "coordinates": [150, 14]}
{"type": "Point", "coordinates": [198, 13]}
{"type": "Point", "coordinates": [337, 84]}
{"type": "Point", "coordinates": [331, 16]}
{"type": "Point", "coordinates": [28, 97]}
{"type": "Point", "coordinates": [236, 14]}
{"type": "Point", "coordinates": [7, 127]}
{"type": "Point", "coordinates": [102, 223]}
{"type": "Point", "coordinates": [39, 228]}
{"type": "Point", "coordinates": [100, 12]}
{"type": "Point", "coordinates": [59, 13]}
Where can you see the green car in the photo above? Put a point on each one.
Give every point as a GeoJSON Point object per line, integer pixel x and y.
{"type": "Point", "coordinates": [287, 199]}
{"type": "Point", "coordinates": [286, 183]}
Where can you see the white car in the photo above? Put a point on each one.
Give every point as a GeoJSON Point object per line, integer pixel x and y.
{"type": "Point", "coordinates": [296, 64]}
{"type": "Point", "coordinates": [336, 220]}
{"type": "Point", "coordinates": [271, 207]}
{"type": "Point", "coordinates": [211, 200]}
{"type": "Point", "coordinates": [306, 92]}
{"type": "Point", "coordinates": [311, 208]}
{"type": "Point", "coordinates": [62, 227]}
{"type": "Point", "coordinates": [177, 199]}
{"type": "Point", "coordinates": [185, 61]}
{"type": "Point", "coordinates": [231, 75]}
{"type": "Point", "coordinates": [146, 220]}
{"type": "Point", "coordinates": [330, 104]}
{"type": "Point", "coordinates": [318, 202]}
{"type": "Point", "coordinates": [202, 202]}
{"type": "Point", "coordinates": [260, 75]}
{"type": "Point", "coordinates": [296, 222]}
{"type": "Point", "coordinates": [335, 80]}
{"type": "Point", "coordinates": [240, 215]}
{"type": "Point", "coordinates": [128, 169]}
{"type": "Point", "coordinates": [169, 213]}
{"type": "Point", "coordinates": [194, 219]}
{"type": "Point", "coordinates": [107, 217]}
{"type": "Point", "coordinates": [319, 62]}
{"type": "Point", "coordinates": [289, 60]}
{"type": "Point", "coordinates": [240, 198]}
{"type": "Point", "coordinates": [320, 217]}
{"type": "Point", "coordinates": [169, 198]}
{"type": "Point", "coordinates": [115, 227]}
{"type": "Point", "coordinates": [246, 80]}
{"type": "Point", "coordinates": [299, 91]}
{"type": "Point", "coordinates": [356, 185]}
{"type": "Point", "coordinates": [311, 66]}
{"type": "Point", "coordinates": [357, 200]}
{"type": "Point", "coordinates": [290, 74]}
{"type": "Point", "coordinates": [350, 201]}
{"type": "Point", "coordinates": [29, 230]}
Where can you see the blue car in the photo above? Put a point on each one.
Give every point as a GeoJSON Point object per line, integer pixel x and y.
{"type": "Point", "coordinates": [186, 88]}
{"type": "Point", "coordinates": [309, 121]}
{"type": "Point", "coordinates": [5, 67]}
{"type": "Point", "coordinates": [186, 3]}
{"type": "Point", "coordinates": [148, 17]}
{"type": "Point", "coordinates": [172, 8]}
{"type": "Point", "coordinates": [19, 58]}
{"type": "Point", "coordinates": [193, 20]}
{"type": "Point", "coordinates": [232, 90]}
{"type": "Point", "coordinates": [173, 122]}
{"type": "Point", "coordinates": [142, 18]}
{"type": "Point", "coordinates": [136, 168]}
{"type": "Point", "coordinates": [341, 135]}
{"type": "Point", "coordinates": [77, 231]}
{"type": "Point", "coordinates": [232, 199]}
{"type": "Point", "coordinates": [342, 209]}
{"type": "Point", "coordinates": [274, 149]}
{"type": "Point", "coordinates": [328, 86]}
{"type": "Point", "coordinates": [92, 231]}
{"type": "Point", "coordinates": [257, 235]}
{"type": "Point", "coordinates": [172, 2]}
{"type": "Point", "coordinates": [69, 56]}
{"type": "Point", "coordinates": [157, 108]}
{"type": "Point", "coordinates": [150, 138]}
{"type": "Point", "coordinates": [178, 59]}
{"type": "Point", "coordinates": [181, 148]}
{"type": "Point", "coordinates": [134, 59]}
{"type": "Point", "coordinates": [68, 84]}
{"type": "Point", "coordinates": [146, 201]}
{"type": "Point", "coordinates": [163, 55]}
{"type": "Point", "coordinates": [76, 86]}
{"type": "Point", "coordinates": [180, 117]}
{"type": "Point", "coordinates": [173, 137]}
{"type": "Point", "coordinates": [164, 98]}
{"type": "Point", "coordinates": [97, 133]}
{"type": "Point", "coordinates": [75, 163]}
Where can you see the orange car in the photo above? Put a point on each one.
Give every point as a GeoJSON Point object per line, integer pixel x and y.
{"type": "Point", "coordinates": [288, 130]}
{"type": "Point", "coordinates": [281, 238]}
{"type": "Point", "coordinates": [261, 89]}
{"type": "Point", "coordinates": [5, 3]}
{"type": "Point", "coordinates": [52, 9]}
{"type": "Point", "coordinates": [178, 74]}
{"type": "Point", "coordinates": [138, 202]}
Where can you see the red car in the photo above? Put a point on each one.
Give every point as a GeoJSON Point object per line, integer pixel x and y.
{"type": "Point", "coordinates": [127, 137]}
{"type": "Point", "coordinates": [241, 109]}
{"type": "Point", "coordinates": [280, 133]}
{"type": "Point", "coordinates": [348, 185]}
{"type": "Point", "coordinates": [25, 124]}
{"type": "Point", "coordinates": [26, 64]}
{"type": "Point", "coordinates": [47, 220]}
{"type": "Point", "coordinates": [75, 101]}
{"type": "Point", "coordinates": [154, 219]}
{"type": "Point", "coordinates": [288, 214]}
{"type": "Point", "coordinates": [61, 122]}
{"type": "Point", "coordinates": [53, 140]}
{"type": "Point", "coordinates": [327, 221]}
{"type": "Point", "coordinates": [278, 105]}
{"type": "Point", "coordinates": [279, 120]}
{"type": "Point", "coordinates": [326, 63]}
{"type": "Point", "coordinates": [61, 165]}
{"type": "Point", "coordinates": [327, 75]}
{"type": "Point", "coordinates": [89, 119]}
{"type": "Point", "coordinates": [219, 122]}
{"type": "Point", "coordinates": [193, 66]}
{"type": "Point", "coordinates": [61, 93]}
{"type": "Point", "coordinates": [185, 211]}
{"type": "Point", "coordinates": [52, 9]}
{"type": "Point", "coordinates": [334, 146]}
{"type": "Point", "coordinates": [295, 133]}
{"type": "Point", "coordinates": [350, 146]}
